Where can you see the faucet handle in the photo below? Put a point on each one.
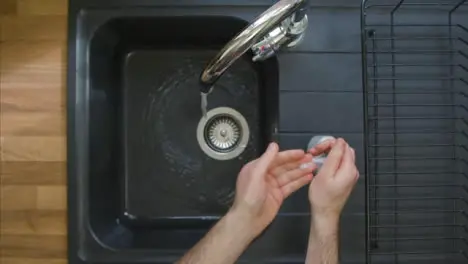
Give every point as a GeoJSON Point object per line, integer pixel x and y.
{"type": "Point", "coordinates": [289, 33]}
{"type": "Point", "coordinates": [262, 50]}
{"type": "Point", "coordinates": [267, 47]}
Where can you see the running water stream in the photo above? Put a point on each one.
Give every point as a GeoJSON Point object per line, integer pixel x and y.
{"type": "Point", "coordinates": [204, 103]}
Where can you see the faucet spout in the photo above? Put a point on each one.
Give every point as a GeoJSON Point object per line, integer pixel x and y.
{"type": "Point", "coordinates": [282, 25]}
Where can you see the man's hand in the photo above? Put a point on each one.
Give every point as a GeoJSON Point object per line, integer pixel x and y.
{"type": "Point", "coordinates": [332, 186]}
{"type": "Point", "coordinates": [262, 186]}
{"type": "Point", "coordinates": [264, 183]}
{"type": "Point", "coordinates": [328, 194]}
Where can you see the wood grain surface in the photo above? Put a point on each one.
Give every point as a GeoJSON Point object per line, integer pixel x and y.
{"type": "Point", "coordinates": [32, 132]}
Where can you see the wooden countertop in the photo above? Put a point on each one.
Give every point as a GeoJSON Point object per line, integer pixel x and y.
{"type": "Point", "coordinates": [32, 131]}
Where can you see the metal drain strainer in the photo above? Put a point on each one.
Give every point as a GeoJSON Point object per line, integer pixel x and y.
{"type": "Point", "coordinates": [223, 134]}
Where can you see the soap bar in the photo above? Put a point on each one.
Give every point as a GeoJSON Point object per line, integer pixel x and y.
{"type": "Point", "coordinates": [317, 160]}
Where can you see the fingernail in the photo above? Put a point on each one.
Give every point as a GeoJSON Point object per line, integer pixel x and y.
{"type": "Point", "coordinates": [341, 141]}
{"type": "Point", "coordinates": [307, 165]}
{"type": "Point", "coordinates": [271, 146]}
{"type": "Point", "coordinates": [339, 144]}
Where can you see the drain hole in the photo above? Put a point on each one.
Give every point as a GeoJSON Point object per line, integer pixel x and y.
{"type": "Point", "coordinates": [222, 133]}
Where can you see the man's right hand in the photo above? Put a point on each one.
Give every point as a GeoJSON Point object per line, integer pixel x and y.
{"type": "Point", "coordinates": [332, 186]}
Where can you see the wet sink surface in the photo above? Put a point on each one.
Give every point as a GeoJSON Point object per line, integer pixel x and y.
{"type": "Point", "coordinates": [167, 174]}
{"type": "Point", "coordinates": [149, 184]}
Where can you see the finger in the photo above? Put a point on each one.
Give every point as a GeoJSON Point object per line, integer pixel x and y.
{"type": "Point", "coordinates": [288, 156]}
{"type": "Point", "coordinates": [333, 161]}
{"type": "Point", "coordinates": [291, 165]}
{"type": "Point", "coordinates": [322, 147]}
{"type": "Point", "coordinates": [347, 169]}
{"type": "Point", "coordinates": [291, 187]}
{"type": "Point", "coordinates": [295, 174]}
{"type": "Point", "coordinates": [264, 162]}
{"type": "Point", "coordinates": [353, 152]}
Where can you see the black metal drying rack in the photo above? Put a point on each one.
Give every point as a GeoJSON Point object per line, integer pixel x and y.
{"type": "Point", "coordinates": [415, 76]}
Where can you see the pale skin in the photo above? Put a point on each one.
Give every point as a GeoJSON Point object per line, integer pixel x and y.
{"type": "Point", "coordinates": [262, 186]}
{"type": "Point", "coordinates": [328, 194]}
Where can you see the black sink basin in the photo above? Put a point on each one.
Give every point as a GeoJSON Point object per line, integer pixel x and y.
{"type": "Point", "coordinates": [144, 113]}
{"type": "Point", "coordinates": [145, 185]}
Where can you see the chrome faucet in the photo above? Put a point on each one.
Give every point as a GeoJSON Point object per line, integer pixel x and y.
{"type": "Point", "coordinates": [282, 25]}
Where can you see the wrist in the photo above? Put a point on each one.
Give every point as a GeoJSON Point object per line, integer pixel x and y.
{"type": "Point", "coordinates": [324, 224]}
{"type": "Point", "coordinates": [241, 224]}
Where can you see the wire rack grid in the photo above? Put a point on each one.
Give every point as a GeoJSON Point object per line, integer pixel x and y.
{"type": "Point", "coordinates": [415, 75]}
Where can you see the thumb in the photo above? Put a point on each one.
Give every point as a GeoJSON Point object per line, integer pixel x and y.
{"type": "Point", "coordinates": [267, 158]}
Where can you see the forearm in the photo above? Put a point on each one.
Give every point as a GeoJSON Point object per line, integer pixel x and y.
{"type": "Point", "coordinates": [323, 241]}
{"type": "Point", "coordinates": [223, 244]}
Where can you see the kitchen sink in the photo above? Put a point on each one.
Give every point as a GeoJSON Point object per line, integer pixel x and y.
{"type": "Point", "coordinates": [146, 178]}
{"type": "Point", "coordinates": [144, 184]}
{"type": "Point", "coordinates": [145, 113]}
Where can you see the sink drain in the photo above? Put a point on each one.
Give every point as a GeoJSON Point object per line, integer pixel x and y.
{"type": "Point", "coordinates": [223, 134]}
